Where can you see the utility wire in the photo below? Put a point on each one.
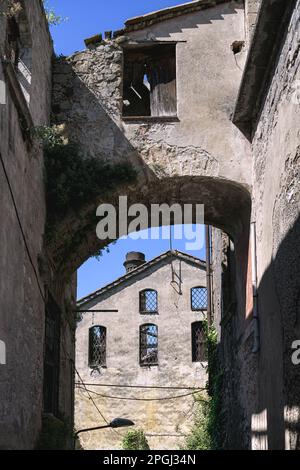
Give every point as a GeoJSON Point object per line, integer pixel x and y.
{"type": "Point", "coordinates": [86, 390]}
{"type": "Point", "coordinates": [141, 386]}
{"type": "Point", "coordinates": [143, 399]}
{"type": "Point", "coordinates": [21, 228]}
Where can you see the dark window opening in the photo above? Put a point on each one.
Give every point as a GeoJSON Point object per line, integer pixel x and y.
{"type": "Point", "coordinates": [148, 345]}
{"type": "Point", "coordinates": [51, 357]}
{"type": "Point", "coordinates": [150, 81]}
{"type": "Point", "coordinates": [97, 346]}
{"type": "Point", "coordinates": [148, 301]}
{"type": "Point", "coordinates": [199, 298]}
{"type": "Point", "coordinates": [199, 346]}
{"type": "Point", "coordinates": [18, 50]}
{"type": "Point", "coordinates": [13, 41]}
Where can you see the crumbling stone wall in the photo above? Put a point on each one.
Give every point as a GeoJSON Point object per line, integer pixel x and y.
{"type": "Point", "coordinates": [87, 98]}
{"type": "Point", "coordinates": [22, 288]}
{"type": "Point", "coordinates": [21, 305]}
{"type": "Point", "coordinates": [276, 211]}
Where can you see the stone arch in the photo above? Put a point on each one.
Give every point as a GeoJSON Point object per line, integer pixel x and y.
{"type": "Point", "coordinates": [227, 205]}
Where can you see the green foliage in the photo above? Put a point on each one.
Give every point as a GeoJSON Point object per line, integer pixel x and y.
{"type": "Point", "coordinates": [52, 18]}
{"type": "Point", "coordinates": [207, 432]}
{"type": "Point", "coordinates": [135, 440]}
{"type": "Point", "coordinates": [73, 180]}
{"type": "Point", "coordinates": [56, 434]}
{"type": "Point", "coordinates": [199, 438]}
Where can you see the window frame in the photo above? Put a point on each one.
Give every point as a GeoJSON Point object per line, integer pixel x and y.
{"type": "Point", "coordinates": [148, 312]}
{"type": "Point", "coordinates": [143, 363]}
{"type": "Point", "coordinates": [204, 357]}
{"type": "Point", "coordinates": [93, 364]}
{"type": "Point", "coordinates": [202, 309]}
{"type": "Point", "coordinates": [14, 71]}
{"type": "Point", "coordinates": [144, 45]}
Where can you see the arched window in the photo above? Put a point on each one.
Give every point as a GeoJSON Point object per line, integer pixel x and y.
{"type": "Point", "coordinates": [199, 298]}
{"type": "Point", "coordinates": [199, 346]}
{"type": "Point", "coordinates": [148, 344]}
{"type": "Point", "coordinates": [97, 346]}
{"type": "Point", "coordinates": [148, 301]}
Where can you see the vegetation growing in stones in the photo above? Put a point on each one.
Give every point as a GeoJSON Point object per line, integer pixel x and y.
{"type": "Point", "coordinates": [135, 440]}
{"type": "Point", "coordinates": [207, 432]}
{"type": "Point", "coordinates": [52, 17]}
{"type": "Point", "coordinates": [73, 180]}
{"type": "Point", "coordinates": [199, 438]}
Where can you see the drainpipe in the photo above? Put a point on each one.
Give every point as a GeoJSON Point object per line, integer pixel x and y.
{"type": "Point", "coordinates": [208, 274]}
{"type": "Point", "coordinates": [256, 342]}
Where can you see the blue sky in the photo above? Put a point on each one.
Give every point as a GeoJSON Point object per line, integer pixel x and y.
{"type": "Point", "coordinates": [94, 274]}
{"type": "Point", "coordinates": [89, 17]}
{"type": "Point", "coordinates": [86, 18]}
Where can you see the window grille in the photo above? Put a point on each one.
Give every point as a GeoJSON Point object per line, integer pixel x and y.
{"type": "Point", "coordinates": [97, 346]}
{"type": "Point", "coordinates": [148, 344]}
{"type": "Point", "coordinates": [199, 298]}
{"type": "Point", "coordinates": [199, 346]}
{"type": "Point", "coordinates": [148, 301]}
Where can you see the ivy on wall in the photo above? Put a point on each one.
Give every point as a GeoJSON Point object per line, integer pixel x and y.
{"type": "Point", "coordinates": [72, 179]}
{"type": "Point", "coordinates": [207, 432]}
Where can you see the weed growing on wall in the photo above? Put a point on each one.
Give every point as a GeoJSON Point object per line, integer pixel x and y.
{"type": "Point", "coordinates": [52, 17]}
{"type": "Point", "coordinates": [207, 430]}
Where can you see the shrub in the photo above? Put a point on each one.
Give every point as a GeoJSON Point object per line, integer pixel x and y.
{"type": "Point", "coordinates": [207, 432]}
{"type": "Point", "coordinates": [135, 440]}
{"type": "Point", "coordinates": [199, 438]}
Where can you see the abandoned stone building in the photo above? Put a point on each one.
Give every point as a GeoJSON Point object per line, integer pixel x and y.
{"type": "Point", "coordinates": [144, 332]}
{"type": "Point", "coordinates": [202, 102]}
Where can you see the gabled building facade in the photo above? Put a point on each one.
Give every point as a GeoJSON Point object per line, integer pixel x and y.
{"type": "Point", "coordinates": [141, 351]}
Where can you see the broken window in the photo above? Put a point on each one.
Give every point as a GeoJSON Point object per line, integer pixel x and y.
{"type": "Point", "coordinates": [199, 347]}
{"type": "Point", "coordinates": [148, 344]}
{"type": "Point", "coordinates": [150, 81]}
{"type": "Point", "coordinates": [97, 346]}
{"type": "Point", "coordinates": [148, 301]}
{"type": "Point", "coordinates": [52, 357]}
{"type": "Point", "coordinates": [199, 298]}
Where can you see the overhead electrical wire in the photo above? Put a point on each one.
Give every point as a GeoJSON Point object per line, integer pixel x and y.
{"type": "Point", "coordinates": [141, 386]}
{"type": "Point", "coordinates": [143, 399]}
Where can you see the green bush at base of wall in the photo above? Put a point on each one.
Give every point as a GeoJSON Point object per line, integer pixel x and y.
{"type": "Point", "coordinates": [135, 440]}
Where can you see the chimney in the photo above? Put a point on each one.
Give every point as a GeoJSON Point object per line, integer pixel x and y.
{"type": "Point", "coordinates": [133, 260]}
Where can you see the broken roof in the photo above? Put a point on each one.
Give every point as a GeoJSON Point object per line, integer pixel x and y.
{"type": "Point", "coordinates": [149, 19]}
{"type": "Point", "coordinates": [140, 269]}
